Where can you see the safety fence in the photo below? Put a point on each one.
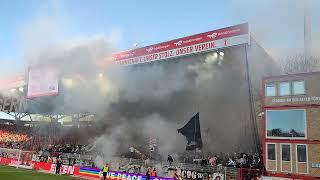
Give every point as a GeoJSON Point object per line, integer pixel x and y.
{"type": "Point", "coordinates": [27, 159]}
{"type": "Point", "coordinates": [78, 171]}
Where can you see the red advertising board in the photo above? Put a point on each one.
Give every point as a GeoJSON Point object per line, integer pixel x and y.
{"type": "Point", "coordinates": [42, 166]}
{"type": "Point", "coordinates": [77, 170]}
{"type": "Point", "coordinates": [225, 37]}
{"type": "Point", "coordinates": [49, 167]}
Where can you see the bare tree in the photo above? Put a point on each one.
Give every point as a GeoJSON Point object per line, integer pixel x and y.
{"type": "Point", "coordinates": [299, 64]}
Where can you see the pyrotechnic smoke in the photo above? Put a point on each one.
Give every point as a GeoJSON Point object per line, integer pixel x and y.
{"type": "Point", "coordinates": [155, 99]}
{"type": "Point", "coordinates": [134, 103]}
{"type": "Point", "coordinates": [138, 98]}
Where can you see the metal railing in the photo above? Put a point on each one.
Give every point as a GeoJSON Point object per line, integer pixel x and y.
{"type": "Point", "coordinates": [140, 166]}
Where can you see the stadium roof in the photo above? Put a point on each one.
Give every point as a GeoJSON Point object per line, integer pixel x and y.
{"type": "Point", "coordinates": [12, 82]}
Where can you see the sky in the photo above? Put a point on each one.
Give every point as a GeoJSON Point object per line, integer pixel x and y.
{"type": "Point", "coordinates": [28, 26]}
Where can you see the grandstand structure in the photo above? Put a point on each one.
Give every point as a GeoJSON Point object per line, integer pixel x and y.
{"type": "Point", "coordinates": [12, 96]}
{"type": "Point", "coordinates": [15, 105]}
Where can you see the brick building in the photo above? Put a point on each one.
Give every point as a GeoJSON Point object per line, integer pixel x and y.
{"type": "Point", "coordinates": [291, 125]}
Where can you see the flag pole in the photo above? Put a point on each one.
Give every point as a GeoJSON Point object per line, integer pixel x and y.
{"type": "Point", "coordinates": [194, 136]}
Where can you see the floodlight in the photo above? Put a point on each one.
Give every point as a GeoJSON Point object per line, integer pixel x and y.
{"type": "Point", "coordinates": [21, 89]}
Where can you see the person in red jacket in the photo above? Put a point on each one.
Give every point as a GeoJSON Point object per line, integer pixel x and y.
{"type": "Point", "coordinates": [154, 172]}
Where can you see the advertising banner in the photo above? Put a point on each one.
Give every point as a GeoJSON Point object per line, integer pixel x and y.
{"type": "Point", "coordinates": [12, 104]}
{"type": "Point", "coordinates": [192, 174]}
{"type": "Point", "coordinates": [49, 167]}
{"type": "Point", "coordinates": [97, 173]}
{"type": "Point", "coordinates": [221, 38]}
{"type": "Point", "coordinates": [80, 171]}
{"type": "Point", "coordinates": [42, 81]}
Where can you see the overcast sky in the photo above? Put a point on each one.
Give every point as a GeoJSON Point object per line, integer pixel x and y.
{"type": "Point", "coordinates": [27, 26]}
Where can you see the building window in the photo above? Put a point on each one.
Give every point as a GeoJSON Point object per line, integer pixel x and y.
{"type": "Point", "coordinates": [298, 87]}
{"type": "Point", "coordinates": [285, 152]}
{"type": "Point", "coordinates": [286, 123]}
{"type": "Point", "coordinates": [284, 88]}
{"type": "Point", "coordinates": [302, 153]}
{"type": "Point", "coordinates": [271, 151]}
{"type": "Point", "coordinates": [270, 89]}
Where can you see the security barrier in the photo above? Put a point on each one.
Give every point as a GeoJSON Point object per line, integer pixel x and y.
{"type": "Point", "coordinates": [184, 170]}
{"type": "Point", "coordinates": [81, 171]}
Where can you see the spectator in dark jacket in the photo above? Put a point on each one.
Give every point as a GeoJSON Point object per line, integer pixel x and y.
{"type": "Point", "coordinates": [170, 160]}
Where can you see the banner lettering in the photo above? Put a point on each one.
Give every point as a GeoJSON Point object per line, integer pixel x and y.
{"type": "Point", "coordinates": [230, 36]}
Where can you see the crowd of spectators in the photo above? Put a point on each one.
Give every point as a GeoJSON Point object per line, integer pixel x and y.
{"type": "Point", "coordinates": [45, 142]}
{"type": "Point", "coordinates": [50, 142]}
{"type": "Point", "coordinates": [17, 136]}
{"type": "Point", "coordinates": [7, 136]}
{"type": "Point", "coordinates": [238, 160]}
{"type": "Point", "coordinates": [13, 137]}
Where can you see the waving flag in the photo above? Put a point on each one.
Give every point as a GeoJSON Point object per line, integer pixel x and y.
{"type": "Point", "coordinates": [192, 133]}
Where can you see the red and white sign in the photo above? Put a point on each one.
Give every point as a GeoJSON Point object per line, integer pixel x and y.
{"type": "Point", "coordinates": [49, 167]}
{"type": "Point", "coordinates": [230, 36]}
{"type": "Point", "coordinates": [43, 81]}
{"type": "Point", "coordinates": [63, 170]}
{"type": "Point", "coordinates": [43, 166]}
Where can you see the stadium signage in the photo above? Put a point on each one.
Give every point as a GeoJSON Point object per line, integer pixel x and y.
{"type": "Point", "coordinates": [314, 99]}
{"type": "Point", "coordinates": [189, 174]}
{"type": "Point", "coordinates": [10, 104]}
{"type": "Point", "coordinates": [80, 171]}
{"type": "Point", "coordinates": [230, 36]}
{"type": "Point", "coordinates": [128, 176]}
{"type": "Point", "coordinates": [94, 172]}
{"type": "Point", "coordinates": [42, 81]}
{"type": "Point", "coordinates": [63, 170]}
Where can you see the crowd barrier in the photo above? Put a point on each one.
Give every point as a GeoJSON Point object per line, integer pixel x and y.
{"type": "Point", "coordinates": [184, 171]}
{"type": "Point", "coordinates": [76, 170]}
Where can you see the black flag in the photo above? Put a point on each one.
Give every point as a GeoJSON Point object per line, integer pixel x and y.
{"type": "Point", "coordinates": [192, 132]}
